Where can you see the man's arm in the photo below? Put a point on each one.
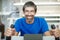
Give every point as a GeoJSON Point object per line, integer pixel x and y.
{"type": "Point", "coordinates": [45, 28]}
{"type": "Point", "coordinates": [16, 34]}
{"type": "Point", "coordinates": [47, 33]}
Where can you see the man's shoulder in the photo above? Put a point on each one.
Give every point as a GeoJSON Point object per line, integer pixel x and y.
{"type": "Point", "coordinates": [40, 18]}
{"type": "Point", "coordinates": [20, 19]}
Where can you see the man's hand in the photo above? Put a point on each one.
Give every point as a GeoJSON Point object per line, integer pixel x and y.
{"type": "Point", "coordinates": [10, 32]}
{"type": "Point", "coordinates": [55, 32]}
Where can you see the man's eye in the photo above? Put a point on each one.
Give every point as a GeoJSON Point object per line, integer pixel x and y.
{"type": "Point", "coordinates": [26, 11]}
{"type": "Point", "coordinates": [32, 11]}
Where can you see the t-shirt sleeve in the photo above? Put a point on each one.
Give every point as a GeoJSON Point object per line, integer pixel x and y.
{"type": "Point", "coordinates": [17, 25]}
{"type": "Point", "coordinates": [44, 26]}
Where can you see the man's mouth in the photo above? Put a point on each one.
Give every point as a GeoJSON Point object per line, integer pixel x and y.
{"type": "Point", "coordinates": [29, 16]}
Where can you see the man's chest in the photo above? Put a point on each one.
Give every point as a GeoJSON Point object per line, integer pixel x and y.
{"type": "Point", "coordinates": [34, 28]}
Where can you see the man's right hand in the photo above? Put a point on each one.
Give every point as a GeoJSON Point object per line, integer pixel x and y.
{"type": "Point", "coordinates": [10, 32]}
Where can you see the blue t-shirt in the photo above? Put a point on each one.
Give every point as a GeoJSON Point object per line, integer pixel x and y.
{"type": "Point", "coordinates": [39, 26]}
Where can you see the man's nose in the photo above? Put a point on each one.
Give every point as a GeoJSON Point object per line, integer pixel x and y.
{"type": "Point", "coordinates": [29, 13]}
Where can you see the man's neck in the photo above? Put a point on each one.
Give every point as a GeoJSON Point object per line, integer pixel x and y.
{"type": "Point", "coordinates": [29, 21]}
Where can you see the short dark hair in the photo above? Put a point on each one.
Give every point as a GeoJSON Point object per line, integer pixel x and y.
{"type": "Point", "coordinates": [28, 4]}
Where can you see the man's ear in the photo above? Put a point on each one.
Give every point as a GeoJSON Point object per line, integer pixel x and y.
{"type": "Point", "coordinates": [23, 12]}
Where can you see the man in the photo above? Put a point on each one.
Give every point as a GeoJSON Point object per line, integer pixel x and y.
{"type": "Point", "coordinates": [29, 24]}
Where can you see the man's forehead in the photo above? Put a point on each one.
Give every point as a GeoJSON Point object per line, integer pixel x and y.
{"type": "Point", "coordinates": [29, 8]}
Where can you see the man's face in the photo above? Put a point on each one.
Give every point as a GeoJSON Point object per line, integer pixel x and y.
{"type": "Point", "coordinates": [29, 12]}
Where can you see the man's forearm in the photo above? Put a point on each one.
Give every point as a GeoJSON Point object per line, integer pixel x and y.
{"type": "Point", "coordinates": [47, 33]}
{"type": "Point", "coordinates": [16, 34]}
